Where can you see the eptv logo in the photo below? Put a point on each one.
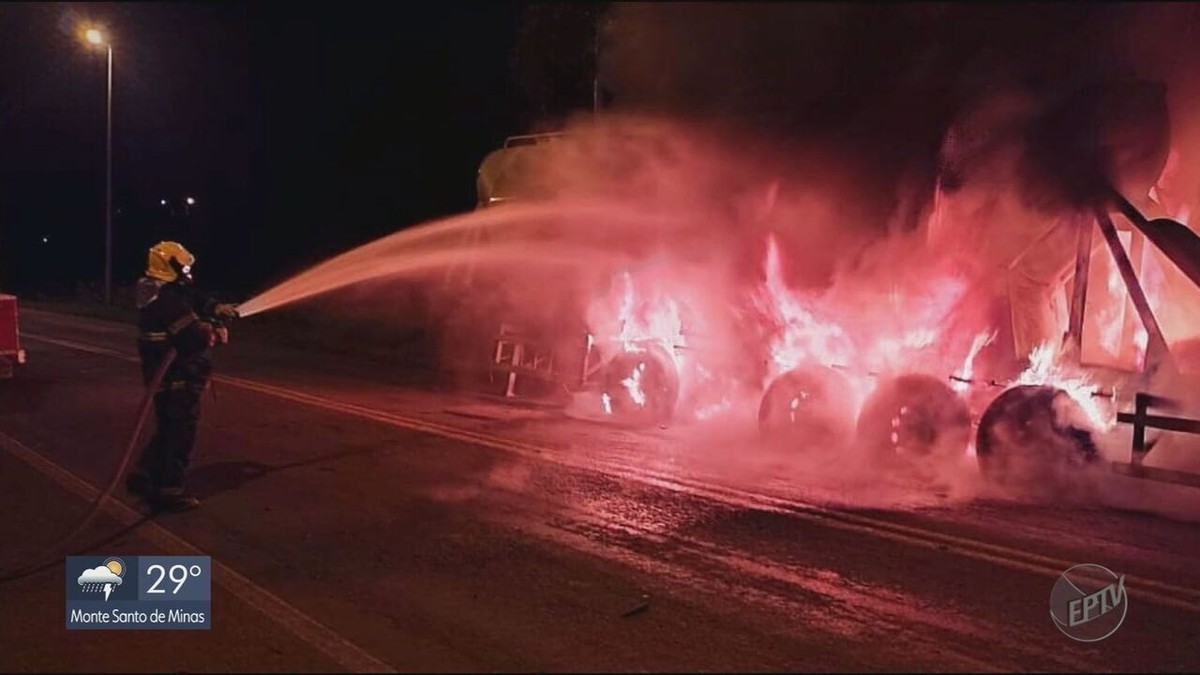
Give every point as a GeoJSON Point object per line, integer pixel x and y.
{"type": "Point", "coordinates": [1088, 602]}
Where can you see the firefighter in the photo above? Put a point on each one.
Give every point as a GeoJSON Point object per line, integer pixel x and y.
{"type": "Point", "coordinates": [172, 314]}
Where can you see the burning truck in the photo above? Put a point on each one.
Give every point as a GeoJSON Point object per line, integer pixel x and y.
{"type": "Point", "coordinates": [1061, 318]}
{"type": "Point", "coordinates": [646, 346]}
{"type": "Point", "coordinates": [1028, 361]}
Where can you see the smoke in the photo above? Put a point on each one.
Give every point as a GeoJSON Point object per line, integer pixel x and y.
{"type": "Point", "coordinates": [889, 150]}
{"type": "Point", "coordinates": [705, 59]}
{"type": "Point", "coordinates": [1159, 39]}
{"type": "Point", "coordinates": [883, 84]}
{"type": "Point", "coordinates": [917, 299]}
{"type": "Point", "coordinates": [781, 73]}
{"type": "Point", "coordinates": [918, 168]}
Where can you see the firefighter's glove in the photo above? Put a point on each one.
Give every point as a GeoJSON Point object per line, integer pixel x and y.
{"type": "Point", "coordinates": [210, 332]}
{"type": "Point", "coordinates": [226, 312]}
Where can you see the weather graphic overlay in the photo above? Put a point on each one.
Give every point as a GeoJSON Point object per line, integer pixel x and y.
{"type": "Point", "coordinates": [103, 577]}
{"type": "Point", "coordinates": [139, 593]}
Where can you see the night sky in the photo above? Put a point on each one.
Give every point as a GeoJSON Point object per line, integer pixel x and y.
{"type": "Point", "coordinates": [303, 132]}
{"type": "Point", "coordinates": [299, 132]}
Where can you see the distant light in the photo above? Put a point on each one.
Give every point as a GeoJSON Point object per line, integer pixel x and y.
{"type": "Point", "coordinates": [163, 202]}
{"type": "Point", "coordinates": [45, 240]}
{"type": "Point", "coordinates": [191, 202]}
{"type": "Point", "coordinates": [94, 36]}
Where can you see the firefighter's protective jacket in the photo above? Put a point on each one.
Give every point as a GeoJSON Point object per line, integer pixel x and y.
{"type": "Point", "coordinates": [174, 315]}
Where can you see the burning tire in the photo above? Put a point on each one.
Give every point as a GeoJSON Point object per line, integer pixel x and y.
{"type": "Point", "coordinates": [914, 416]}
{"type": "Point", "coordinates": [809, 404]}
{"type": "Point", "coordinates": [642, 386]}
{"type": "Point", "coordinates": [1032, 432]}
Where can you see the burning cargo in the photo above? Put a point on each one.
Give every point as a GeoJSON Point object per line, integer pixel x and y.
{"type": "Point", "coordinates": [1002, 326]}
{"type": "Point", "coordinates": [1079, 323]}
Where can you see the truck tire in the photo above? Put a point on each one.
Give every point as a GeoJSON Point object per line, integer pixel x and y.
{"type": "Point", "coordinates": [1031, 433]}
{"type": "Point", "coordinates": [914, 416]}
{"type": "Point", "coordinates": [642, 386]}
{"type": "Point", "coordinates": [809, 404]}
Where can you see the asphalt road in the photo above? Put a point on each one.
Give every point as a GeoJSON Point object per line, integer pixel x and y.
{"type": "Point", "coordinates": [361, 525]}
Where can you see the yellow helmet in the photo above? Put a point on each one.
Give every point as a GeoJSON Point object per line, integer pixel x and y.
{"type": "Point", "coordinates": [161, 256]}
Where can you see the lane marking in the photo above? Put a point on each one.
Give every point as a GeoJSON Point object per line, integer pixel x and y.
{"type": "Point", "coordinates": [345, 653]}
{"type": "Point", "coordinates": [71, 344]}
{"type": "Point", "coordinates": [1169, 595]}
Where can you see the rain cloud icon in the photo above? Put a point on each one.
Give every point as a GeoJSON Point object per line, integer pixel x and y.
{"type": "Point", "coordinates": [103, 577]}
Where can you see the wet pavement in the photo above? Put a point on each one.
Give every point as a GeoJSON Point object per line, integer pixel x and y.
{"type": "Point", "coordinates": [425, 530]}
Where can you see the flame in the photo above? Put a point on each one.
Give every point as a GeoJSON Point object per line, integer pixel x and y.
{"type": "Point", "coordinates": [1045, 369]}
{"type": "Point", "coordinates": [891, 350]}
{"type": "Point", "coordinates": [1111, 318]}
{"type": "Point", "coordinates": [859, 326]}
{"type": "Point", "coordinates": [644, 317]}
{"type": "Point", "coordinates": [799, 335]}
{"type": "Point", "coordinates": [710, 410]}
{"type": "Point", "coordinates": [633, 385]}
{"type": "Point", "coordinates": [709, 392]}
{"type": "Point", "coordinates": [902, 326]}
{"type": "Point", "coordinates": [1153, 282]}
{"type": "Point", "coordinates": [635, 314]}
{"type": "Point", "coordinates": [1113, 334]}
{"type": "Point", "coordinates": [968, 369]}
{"type": "Point", "coordinates": [794, 405]}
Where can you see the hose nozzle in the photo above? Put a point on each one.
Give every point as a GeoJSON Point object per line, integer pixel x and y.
{"type": "Point", "coordinates": [226, 312]}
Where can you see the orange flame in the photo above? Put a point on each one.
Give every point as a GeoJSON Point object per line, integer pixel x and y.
{"type": "Point", "coordinates": [629, 319]}
{"type": "Point", "coordinates": [633, 384]}
{"type": "Point", "coordinates": [901, 327]}
{"type": "Point", "coordinates": [799, 334]}
{"type": "Point", "coordinates": [647, 317]}
{"type": "Point", "coordinates": [1045, 369]}
{"type": "Point", "coordinates": [968, 370]}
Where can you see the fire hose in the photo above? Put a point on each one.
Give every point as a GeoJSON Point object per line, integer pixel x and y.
{"type": "Point", "coordinates": [50, 554]}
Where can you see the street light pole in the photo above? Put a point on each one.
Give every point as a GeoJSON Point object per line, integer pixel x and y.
{"type": "Point", "coordinates": [95, 37]}
{"type": "Point", "coordinates": [596, 66]}
{"type": "Point", "coordinates": [108, 207]}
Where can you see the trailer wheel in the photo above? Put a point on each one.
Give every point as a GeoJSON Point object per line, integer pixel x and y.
{"type": "Point", "coordinates": [809, 404]}
{"type": "Point", "coordinates": [914, 416]}
{"type": "Point", "coordinates": [642, 386]}
{"type": "Point", "coordinates": [1031, 432]}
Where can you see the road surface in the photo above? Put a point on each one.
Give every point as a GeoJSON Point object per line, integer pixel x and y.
{"type": "Point", "coordinates": [357, 524]}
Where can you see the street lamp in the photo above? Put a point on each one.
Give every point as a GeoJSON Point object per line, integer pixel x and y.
{"type": "Point", "coordinates": [96, 38]}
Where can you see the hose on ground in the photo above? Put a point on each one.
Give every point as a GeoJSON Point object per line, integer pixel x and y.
{"type": "Point", "coordinates": [53, 552]}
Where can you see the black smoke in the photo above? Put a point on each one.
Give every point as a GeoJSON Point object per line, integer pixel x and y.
{"type": "Point", "coordinates": [883, 83]}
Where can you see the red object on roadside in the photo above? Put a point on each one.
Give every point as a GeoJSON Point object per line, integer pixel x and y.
{"type": "Point", "coordinates": [11, 353]}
